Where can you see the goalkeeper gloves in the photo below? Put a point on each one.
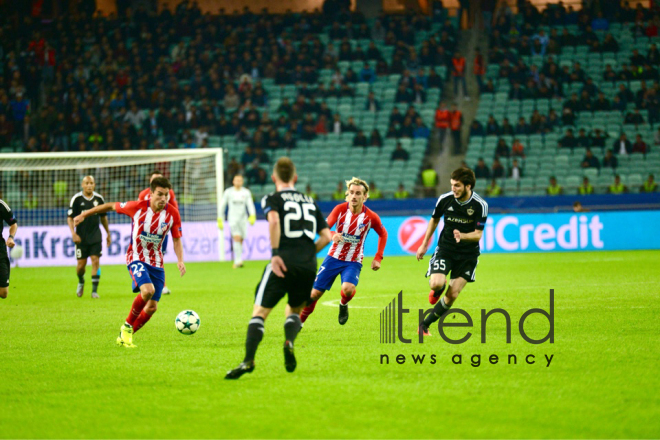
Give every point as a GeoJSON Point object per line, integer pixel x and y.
{"type": "Point", "coordinates": [252, 219]}
{"type": "Point", "coordinates": [220, 226]}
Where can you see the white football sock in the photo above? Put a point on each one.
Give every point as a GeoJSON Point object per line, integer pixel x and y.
{"type": "Point", "coordinates": [238, 252]}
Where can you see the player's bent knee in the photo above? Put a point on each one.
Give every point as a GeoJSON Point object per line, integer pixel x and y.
{"type": "Point", "coordinates": [147, 291]}
{"type": "Point", "coordinates": [3, 292]}
{"type": "Point", "coordinates": [150, 309]}
{"type": "Point", "coordinates": [348, 289]}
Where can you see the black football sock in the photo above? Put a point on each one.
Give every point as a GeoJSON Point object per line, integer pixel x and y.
{"type": "Point", "coordinates": [81, 278]}
{"type": "Point", "coordinates": [437, 293]}
{"type": "Point", "coordinates": [254, 335]}
{"type": "Point", "coordinates": [292, 326]}
{"type": "Point", "coordinates": [439, 311]}
{"type": "Point", "coordinates": [95, 283]}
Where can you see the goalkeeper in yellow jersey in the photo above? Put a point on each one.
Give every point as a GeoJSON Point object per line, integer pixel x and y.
{"type": "Point", "coordinates": [241, 211]}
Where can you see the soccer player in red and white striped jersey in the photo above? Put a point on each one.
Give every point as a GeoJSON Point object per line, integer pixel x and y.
{"type": "Point", "coordinates": [353, 220]}
{"type": "Point", "coordinates": [151, 221]}
{"type": "Point", "coordinates": [145, 194]}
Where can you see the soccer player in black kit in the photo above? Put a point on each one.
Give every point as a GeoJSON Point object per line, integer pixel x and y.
{"type": "Point", "coordinates": [294, 220]}
{"type": "Point", "coordinates": [87, 236]}
{"type": "Point", "coordinates": [6, 216]}
{"type": "Point", "coordinates": [458, 245]}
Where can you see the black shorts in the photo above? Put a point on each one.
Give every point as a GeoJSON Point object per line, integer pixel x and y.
{"type": "Point", "coordinates": [459, 267]}
{"type": "Point", "coordinates": [83, 251]}
{"type": "Point", "coordinates": [4, 271]}
{"type": "Point", "coordinates": [297, 283]}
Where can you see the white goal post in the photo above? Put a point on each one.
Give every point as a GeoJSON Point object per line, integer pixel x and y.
{"type": "Point", "coordinates": [39, 188]}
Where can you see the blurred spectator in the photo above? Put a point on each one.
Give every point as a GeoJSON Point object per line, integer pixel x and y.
{"type": "Point", "coordinates": [617, 187]}
{"type": "Point", "coordinates": [458, 72]}
{"type": "Point", "coordinates": [554, 189]}
{"type": "Point", "coordinates": [339, 194]}
{"type": "Point", "coordinates": [649, 185]}
{"type": "Point", "coordinates": [590, 161]}
{"type": "Point", "coordinates": [309, 192]}
{"type": "Point", "coordinates": [634, 118]}
{"type": "Point", "coordinates": [494, 189]}
{"type": "Point", "coordinates": [420, 131]}
{"type": "Point", "coordinates": [497, 169]}
{"type": "Point", "coordinates": [610, 160]}
{"type": "Point", "coordinates": [374, 192]}
{"type": "Point", "coordinates": [639, 146]}
{"type": "Point", "coordinates": [586, 187]}
{"type": "Point", "coordinates": [583, 140]}
{"type": "Point", "coordinates": [476, 129]}
{"type": "Point", "coordinates": [372, 104]}
{"type": "Point", "coordinates": [506, 129]}
{"type": "Point", "coordinates": [375, 140]}
{"type": "Point", "coordinates": [481, 171]}
{"type": "Point", "coordinates": [568, 141]}
{"type": "Point", "coordinates": [479, 68]}
{"type": "Point", "coordinates": [367, 74]}
{"type": "Point", "coordinates": [456, 123]}
{"type": "Point", "coordinates": [502, 149]}
{"type": "Point", "coordinates": [622, 146]}
{"type": "Point", "coordinates": [360, 140]}
{"type": "Point", "coordinates": [522, 128]}
{"type": "Point", "coordinates": [515, 172]}
{"type": "Point", "coordinates": [429, 180]}
{"type": "Point", "coordinates": [517, 149]}
{"type": "Point", "coordinates": [31, 201]}
{"type": "Point", "coordinates": [399, 153]}
{"type": "Point", "coordinates": [401, 192]}
{"type": "Point", "coordinates": [442, 120]}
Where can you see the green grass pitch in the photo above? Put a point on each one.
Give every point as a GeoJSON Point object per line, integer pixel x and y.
{"type": "Point", "coordinates": [62, 376]}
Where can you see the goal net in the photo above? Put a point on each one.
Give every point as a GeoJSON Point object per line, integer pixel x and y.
{"type": "Point", "coordinates": [39, 188]}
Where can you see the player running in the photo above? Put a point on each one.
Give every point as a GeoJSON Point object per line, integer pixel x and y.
{"type": "Point", "coordinates": [6, 216]}
{"type": "Point", "coordinates": [294, 219]}
{"type": "Point", "coordinates": [238, 199]}
{"type": "Point", "coordinates": [353, 221]}
{"type": "Point", "coordinates": [151, 221]}
{"type": "Point", "coordinates": [145, 194]}
{"type": "Point", "coordinates": [87, 236]}
{"type": "Point", "coordinates": [458, 245]}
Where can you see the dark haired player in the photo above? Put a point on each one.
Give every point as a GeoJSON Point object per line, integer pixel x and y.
{"type": "Point", "coordinates": [145, 194]}
{"type": "Point", "coordinates": [458, 245]}
{"type": "Point", "coordinates": [294, 219]}
{"type": "Point", "coordinates": [151, 221]}
{"type": "Point", "coordinates": [6, 216]}
{"type": "Point", "coordinates": [87, 235]}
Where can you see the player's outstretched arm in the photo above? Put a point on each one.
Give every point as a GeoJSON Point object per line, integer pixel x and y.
{"type": "Point", "coordinates": [101, 209]}
{"type": "Point", "coordinates": [178, 250]}
{"type": "Point", "coordinates": [430, 229]}
{"type": "Point", "coordinates": [276, 263]}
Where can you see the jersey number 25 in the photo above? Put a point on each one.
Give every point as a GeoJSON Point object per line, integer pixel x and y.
{"type": "Point", "coordinates": [294, 213]}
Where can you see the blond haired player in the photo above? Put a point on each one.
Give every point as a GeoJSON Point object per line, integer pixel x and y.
{"type": "Point", "coordinates": [353, 220]}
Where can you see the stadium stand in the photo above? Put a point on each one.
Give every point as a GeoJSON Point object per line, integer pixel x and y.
{"type": "Point", "coordinates": [260, 86]}
{"type": "Point", "coordinates": [560, 83]}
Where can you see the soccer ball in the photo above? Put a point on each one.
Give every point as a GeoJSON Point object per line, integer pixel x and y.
{"type": "Point", "coordinates": [187, 322]}
{"type": "Point", "coordinates": [16, 252]}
